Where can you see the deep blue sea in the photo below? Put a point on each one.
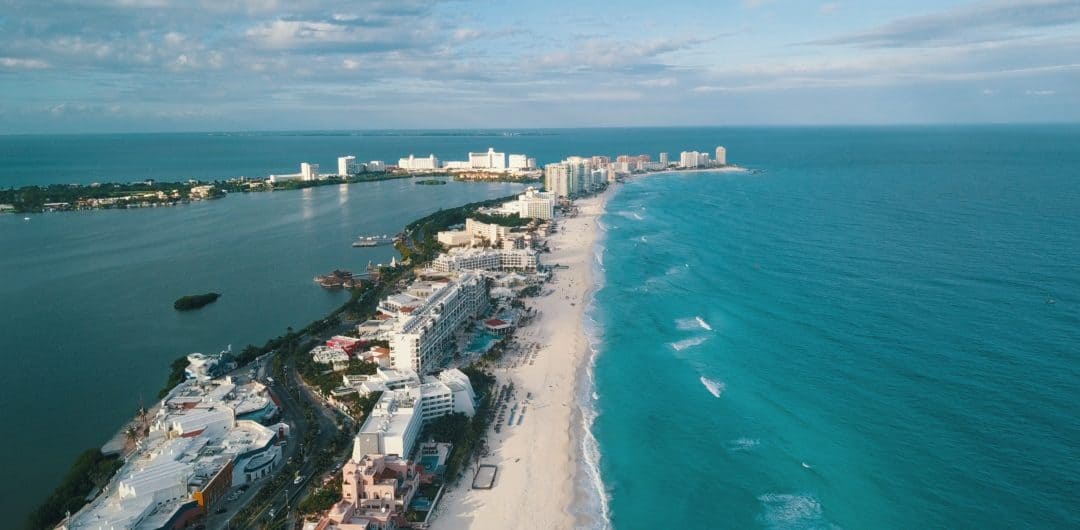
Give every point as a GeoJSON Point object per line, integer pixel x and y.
{"type": "Point", "coordinates": [873, 308]}
{"type": "Point", "coordinates": [889, 320]}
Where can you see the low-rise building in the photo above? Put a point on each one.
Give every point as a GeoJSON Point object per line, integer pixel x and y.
{"type": "Point", "coordinates": [201, 192]}
{"type": "Point", "coordinates": [454, 238]}
{"type": "Point", "coordinates": [335, 357]}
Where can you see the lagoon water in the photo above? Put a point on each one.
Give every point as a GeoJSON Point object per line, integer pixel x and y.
{"type": "Point", "coordinates": [859, 337]}
{"type": "Point", "coordinates": [88, 328]}
{"type": "Point", "coordinates": [873, 310]}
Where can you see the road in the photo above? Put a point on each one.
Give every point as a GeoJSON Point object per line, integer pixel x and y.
{"type": "Point", "coordinates": [291, 395]}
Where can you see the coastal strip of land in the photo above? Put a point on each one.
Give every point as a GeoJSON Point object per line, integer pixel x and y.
{"type": "Point", "coordinates": [538, 454]}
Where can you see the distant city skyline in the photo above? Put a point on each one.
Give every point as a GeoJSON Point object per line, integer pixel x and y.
{"type": "Point", "coordinates": [202, 65]}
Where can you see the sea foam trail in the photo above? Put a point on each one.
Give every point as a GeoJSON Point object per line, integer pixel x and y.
{"type": "Point", "coordinates": [688, 343]}
{"type": "Point", "coordinates": [743, 444]}
{"type": "Point", "coordinates": [713, 386]}
{"type": "Point", "coordinates": [687, 324]}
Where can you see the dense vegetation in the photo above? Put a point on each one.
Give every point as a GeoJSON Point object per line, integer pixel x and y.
{"type": "Point", "coordinates": [91, 471]}
{"type": "Point", "coordinates": [322, 498]}
{"type": "Point", "coordinates": [194, 301]}
{"type": "Point", "coordinates": [177, 374]}
{"type": "Point", "coordinates": [511, 221]}
{"type": "Point", "coordinates": [430, 182]}
{"type": "Point", "coordinates": [34, 198]}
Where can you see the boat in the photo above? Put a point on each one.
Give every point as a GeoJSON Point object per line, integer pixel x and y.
{"type": "Point", "coordinates": [372, 241]}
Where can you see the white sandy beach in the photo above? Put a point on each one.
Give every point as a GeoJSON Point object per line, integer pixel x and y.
{"type": "Point", "coordinates": [538, 460]}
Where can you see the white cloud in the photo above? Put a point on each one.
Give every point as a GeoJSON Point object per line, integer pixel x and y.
{"type": "Point", "coordinates": [1040, 93]}
{"type": "Point", "coordinates": [15, 63]}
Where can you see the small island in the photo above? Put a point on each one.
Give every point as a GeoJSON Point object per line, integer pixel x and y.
{"type": "Point", "coordinates": [431, 182]}
{"type": "Point", "coordinates": [194, 301]}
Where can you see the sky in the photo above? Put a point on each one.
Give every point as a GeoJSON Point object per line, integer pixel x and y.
{"type": "Point", "coordinates": [209, 65]}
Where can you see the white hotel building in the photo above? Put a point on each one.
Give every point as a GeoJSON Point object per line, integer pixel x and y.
{"type": "Point", "coordinates": [399, 415]}
{"type": "Point", "coordinates": [347, 165]}
{"type": "Point", "coordinates": [464, 259]}
{"type": "Point", "coordinates": [419, 164]}
{"type": "Point", "coordinates": [536, 204]}
{"type": "Point", "coordinates": [489, 160]}
{"type": "Point", "coordinates": [422, 336]}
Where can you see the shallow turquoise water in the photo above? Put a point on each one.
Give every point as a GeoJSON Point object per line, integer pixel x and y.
{"type": "Point", "coordinates": [880, 332]}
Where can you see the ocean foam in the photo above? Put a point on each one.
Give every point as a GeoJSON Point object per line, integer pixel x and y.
{"type": "Point", "coordinates": [688, 343]}
{"type": "Point", "coordinates": [713, 386]}
{"type": "Point", "coordinates": [785, 510]}
{"type": "Point", "coordinates": [743, 444]}
{"type": "Point", "coordinates": [691, 323]}
{"type": "Point", "coordinates": [592, 505]}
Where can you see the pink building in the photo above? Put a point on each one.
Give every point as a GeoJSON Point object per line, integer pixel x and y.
{"type": "Point", "coordinates": [376, 491]}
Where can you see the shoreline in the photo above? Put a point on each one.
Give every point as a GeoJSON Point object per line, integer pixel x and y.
{"type": "Point", "coordinates": [590, 491]}
{"type": "Point", "coordinates": [540, 475]}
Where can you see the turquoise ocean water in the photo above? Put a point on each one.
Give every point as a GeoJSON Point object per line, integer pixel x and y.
{"type": "Point", "coordinates": [877, 299]}
{"type": "Point", "coordinates": [889, 321]}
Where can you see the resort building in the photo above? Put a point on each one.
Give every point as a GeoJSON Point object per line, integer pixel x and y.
{"type": "Point", "coordinates": [346, 165]}
{"type": "Point", "coordinates": [412, 163]}
{"type": "Point", "coordinates": [376, 491]}
{"type": "Point", "coordinates": [694, 159]}
{"type": "Point", "coordinates": [520, 162]}
{"type": "Point", "coordinates": [489, 160]}
{"type": "Point", "coordinates": [536, 204]}
{"type": "Point", "coordinates": [664, 159]}
{"type": "Point", "coordinates": [376, 166]}
{"type": "Point", "coordinates": [393, 425]}
{"type": "Point", "coordinates": [488, 232]}
{"type": "Point", "coordinates": [446, 393]}
{"type": "Point", "coordinates": [309, 171]}
{"type": "Point", "coordinates": [422, 336]}
{"type": "Point", "coordinates": [454, 238]}
{"type": "Point", "coordinates": [572, 177]}
{"type": "Point", "coordinates": [461, 259]}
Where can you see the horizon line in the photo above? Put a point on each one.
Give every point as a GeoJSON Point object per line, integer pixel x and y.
{"type": "Point", "coordinates": [596, 127]}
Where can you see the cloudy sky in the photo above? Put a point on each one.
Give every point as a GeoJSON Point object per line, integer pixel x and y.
{"type": "Point", "coordinates": [165, 65]}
